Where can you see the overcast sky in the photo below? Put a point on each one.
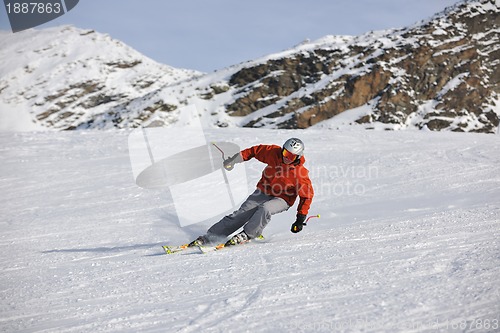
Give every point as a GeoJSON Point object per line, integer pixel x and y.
{"type": "Point", "coordinates": [212, 34]}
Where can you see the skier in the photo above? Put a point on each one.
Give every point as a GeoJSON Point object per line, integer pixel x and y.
{"type": "Point", "coordinates": [283, 179]}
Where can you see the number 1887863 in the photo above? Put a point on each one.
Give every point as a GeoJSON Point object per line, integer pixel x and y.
{"type": "Point", "coordinates": [34, 8]}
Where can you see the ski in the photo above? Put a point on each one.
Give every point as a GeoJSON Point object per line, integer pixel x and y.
{"type": "Point", "coordinates": [175, 249]}
{"type": "Point", "coordinates": [203, 248]}
{"type": "Point", "coordinates": [207, 248]}
{"type": "Point", "coordinates": [211, 248]}
{"type": "Point", "coordinates": [181, 248]}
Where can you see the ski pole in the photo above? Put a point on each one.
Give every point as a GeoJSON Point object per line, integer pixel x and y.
{"type": "Point", "coordinates": [228, 186]}
{"type": "Point", "coordinates": [222, 152]}
{"type": "Point", "coordinates": [310, 217]}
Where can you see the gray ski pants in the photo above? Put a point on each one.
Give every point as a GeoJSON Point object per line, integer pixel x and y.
{"type": "Point", "coordinates": [253, 215]}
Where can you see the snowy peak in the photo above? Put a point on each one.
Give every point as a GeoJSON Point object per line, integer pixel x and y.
{"type": "Point", "coordinates": [439, 74]}
{"type": "Point", "coordinates": [63, 76]}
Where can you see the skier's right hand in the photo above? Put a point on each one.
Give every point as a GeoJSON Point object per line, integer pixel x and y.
{"type": "Point", "coordinates": [231, 161]}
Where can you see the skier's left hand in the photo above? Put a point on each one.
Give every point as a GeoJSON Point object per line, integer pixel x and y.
{"type": "Point", "coordinates": [299, 223]}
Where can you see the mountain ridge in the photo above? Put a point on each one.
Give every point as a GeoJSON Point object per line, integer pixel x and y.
{"type": "Point", "coordinates": [438, 74]}
{"type": "Point", "coordinates": [63, 76]}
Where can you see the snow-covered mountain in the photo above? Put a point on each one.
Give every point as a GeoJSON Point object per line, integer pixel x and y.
{"type": "Point", "coordinates": [61, 77]}
{"type": "Point", "coordinates": [440, 74]}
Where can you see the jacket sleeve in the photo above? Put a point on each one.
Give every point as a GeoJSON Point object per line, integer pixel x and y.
{"type": "Point", "coordinates": [306, 194]}
{"type": "Point", "coordinates": [260, 152]}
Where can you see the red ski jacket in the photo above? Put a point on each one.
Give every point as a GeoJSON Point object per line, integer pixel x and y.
{"type": "Point", "coordinates": [286, 181]}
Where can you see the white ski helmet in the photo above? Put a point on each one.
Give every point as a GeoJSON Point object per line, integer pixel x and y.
{"type": "Point", "coordinates": [294, 146]}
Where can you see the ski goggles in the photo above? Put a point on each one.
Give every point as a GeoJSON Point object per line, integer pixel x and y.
{"type": "Point", "coordinates": [289, 156]}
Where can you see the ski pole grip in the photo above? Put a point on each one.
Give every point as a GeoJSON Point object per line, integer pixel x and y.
{"type": "Point", "coordinates": [310, 217]}
{"type": "Point", "coordinates": [222, 152]}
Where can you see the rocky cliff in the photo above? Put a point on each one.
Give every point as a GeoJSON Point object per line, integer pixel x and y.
{"type": "Point", "coordinates": [441, 74]}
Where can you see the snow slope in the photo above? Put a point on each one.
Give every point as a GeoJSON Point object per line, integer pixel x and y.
{"type": "Point", "coordinates": [408, 240]}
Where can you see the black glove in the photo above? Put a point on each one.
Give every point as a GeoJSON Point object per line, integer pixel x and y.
{"type": "Point", "coordinates": [299, 223]}
{"type": "Point", "coordinates": [231, 161]}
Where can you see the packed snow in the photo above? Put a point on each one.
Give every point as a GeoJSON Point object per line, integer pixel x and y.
{"type": "Point", "coordinates": [408, 240]}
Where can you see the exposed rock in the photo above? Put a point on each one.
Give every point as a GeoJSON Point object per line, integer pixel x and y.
{"type": "Point", "coordinates": [452, 59]}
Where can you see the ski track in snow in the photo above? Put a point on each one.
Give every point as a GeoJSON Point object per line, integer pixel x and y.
{"type": "Point", "coordinates": [408, 240]}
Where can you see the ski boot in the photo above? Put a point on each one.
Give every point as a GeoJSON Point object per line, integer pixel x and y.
{"type": "Point", "coordinates": [202, 240]}
{"type": "Point", "coordinates": [240, 238]}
